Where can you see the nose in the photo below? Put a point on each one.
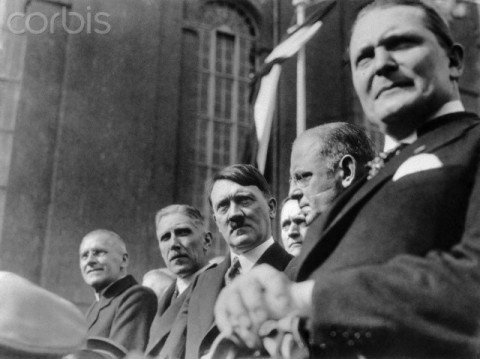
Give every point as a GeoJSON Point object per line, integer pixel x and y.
{"type": "Point", "coordinates": [384, 61]}
{"type": "Point", "coordinates": [293, 230]}
{"type": "Point", "coordinates": [91, 259]}
{"type": "Point", "coordinates": [234, 213]}
{"type": "Point", "coordinates": [175, 241]}
{"type": "Point", "coordinates": [295, 193]}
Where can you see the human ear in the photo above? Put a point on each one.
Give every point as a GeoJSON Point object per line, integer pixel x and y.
{"type": "Point", "coordinates": [347, 167]}
{"type": "Point", "coordinates": [272, 205]}
{"type": "Point", "coordinates": [455, 55]}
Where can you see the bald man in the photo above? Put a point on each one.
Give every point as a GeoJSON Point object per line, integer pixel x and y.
{"type": "Point", "coordinates": [123, 310]}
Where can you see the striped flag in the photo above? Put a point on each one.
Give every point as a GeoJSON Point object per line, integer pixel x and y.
{"type": "Point", "coordinates": [269, 76]}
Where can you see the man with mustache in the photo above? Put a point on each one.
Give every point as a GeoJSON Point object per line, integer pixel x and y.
{"type": "Point", "coordinates": [184, 242]}
{"type": "Point", "coordinates": [123, 309]}
{"type": "Point", "coordinates": [392, 269]}
{"type": "Point", "coordinates": [243, 208]}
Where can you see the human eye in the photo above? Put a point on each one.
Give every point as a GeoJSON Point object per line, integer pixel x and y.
{"type": "Point", "coordinates": [364, 57]}
{"type": "Point", "coordinates": [222, 206]}
{"type": "Point", "coordinates": [244, 200]}
{"type": "Point", "coordinates": [285, 224]}
{"type": "Point", "coordinates": [164, 237]}
{"type": "Point", "coordinates": [303, 178]}
{"type": "Point", "coordinates": [84, 255]}
{"type": "Point", "coordinates": [401, 42]}
{"type": "Point", "coordinates": [183, 232]}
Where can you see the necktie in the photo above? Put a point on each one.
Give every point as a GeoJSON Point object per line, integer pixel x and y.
{"type": "Point", "coordinates": [233, 271]}
{"type": "Point", "coordinates": [379, 162]}
{"type": "Point", "coordinates": [175, 293]}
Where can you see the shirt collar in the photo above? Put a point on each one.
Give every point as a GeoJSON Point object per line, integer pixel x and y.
{"type": "Point", "coordinates": [183, 283]}
{"type": "Point", "coordinates": [447, 108]}
{"type": "Point", "coordinates": [249, 258]}
{"type": "Point", "coordinates": [99, 294]}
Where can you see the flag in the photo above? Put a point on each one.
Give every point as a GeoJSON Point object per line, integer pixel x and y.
{"type": "Point", "coordinates": [269, 76]}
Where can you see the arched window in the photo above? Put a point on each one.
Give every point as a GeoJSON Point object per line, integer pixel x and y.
{"type": "Point", "coordinates": [226, 38]}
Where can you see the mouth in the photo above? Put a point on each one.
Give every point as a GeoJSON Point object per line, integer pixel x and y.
{"type": "Point", "coordinates": [176, 256]}
{"type": "Point", "coordinates": [239, 230]}
{"type": "Point", "coordinates": [393, 86]}
{"type": "Point", "coordinates": [295, 244]}
{"type": "Point", "coordinates": [94, 270]}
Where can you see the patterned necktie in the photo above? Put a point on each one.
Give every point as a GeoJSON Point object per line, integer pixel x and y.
{"type": "Point", "coordinates": [233, 271]}
{"type": "Point", "coordinates": [175, 293]}
{"type": "Point", "coordinates": [375, 165]}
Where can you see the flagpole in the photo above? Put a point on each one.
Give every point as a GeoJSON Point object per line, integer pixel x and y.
{"type": "Point", "coordinates": [301, 64]}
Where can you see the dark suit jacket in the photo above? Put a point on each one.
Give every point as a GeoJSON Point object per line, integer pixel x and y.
{"type": "Point", "coordinates": [162, 324]}
{"type": "Point", "coordinates": [123, 314]}
{"type": "Point", "coordinates": [396, 263]}
{"type": "Point", "coordinates": [194, 330]}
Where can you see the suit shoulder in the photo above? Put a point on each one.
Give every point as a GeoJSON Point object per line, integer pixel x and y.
{"type": "Point", "coordinates": [140, 293]}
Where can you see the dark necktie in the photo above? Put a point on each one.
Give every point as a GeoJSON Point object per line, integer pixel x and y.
{"type": "Point", "coordinates": [233, 271]}
{"type": "Point", "coordinates": [379, 162]}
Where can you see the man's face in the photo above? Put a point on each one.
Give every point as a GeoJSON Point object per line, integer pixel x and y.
{"type": "Point", "coordinates": [400, 72]}
{"type": "Point", "coordinates": [242, 213]}
{"type": "Point", "coordinates": [183, 244]}
{"type": "Point", "coordinates": [292, 223]}
{"type": "Point", "coordinates": [102, 260]}
{"type": "Point", "coordinates": [312, 184]}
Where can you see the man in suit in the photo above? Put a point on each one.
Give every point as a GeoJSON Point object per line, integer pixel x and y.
{"type": "Point", "coordinates": [243, 208]}
{"type": "Point", "coordinates": [392, 269]}
{"type": "Point", "coordinates": [326, 160]}
{"type": "Point", "coordinates": [292, 226]}
{"type": "Point", "coordinates": [184, 243]}
{"type": "Point", "coordinates": [123, 309]}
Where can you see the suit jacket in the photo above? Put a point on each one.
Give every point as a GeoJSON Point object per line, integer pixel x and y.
{"type": "Point", "coordinates": [396, 260]}
{"type": "Point", "coordinates": [123, 314]}
{"type": "Point", "coordinates": [162, 324]}
{"type": "Point", "coordinates": [194, 330]}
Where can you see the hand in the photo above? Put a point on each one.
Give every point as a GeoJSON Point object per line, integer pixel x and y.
{"type": "Point", "coordinates": [251, 299]}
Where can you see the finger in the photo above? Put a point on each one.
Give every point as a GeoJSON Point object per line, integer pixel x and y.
{"type": "Point", "coordinates": [254, 301]}
{"type": "Point", "coordinates": [230, 312]}
{"type": "Point", "coordinates": [276, 287]}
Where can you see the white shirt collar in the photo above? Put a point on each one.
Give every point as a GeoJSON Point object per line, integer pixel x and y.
{"type": "Point", "coordinates": [183, 283]}
{"type": "Point", "coordinates": [449, 107]}
{"type": "Point", "coordinates": [249, 258]}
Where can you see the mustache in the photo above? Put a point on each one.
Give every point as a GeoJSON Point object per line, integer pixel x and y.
{"type": "Point", "coordinates": [237, 222]}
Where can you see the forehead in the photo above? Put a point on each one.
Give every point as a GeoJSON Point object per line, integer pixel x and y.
{"type": "Point", "coordinates": [290, 208]}
{"type": "Point", "coordinates": [224, 189]}
{"type": "Point", "coordinates": [377, 23]}
{"type": "Point", "coordinates": [98, 241]}
{"type": "Point", "coordinates": [174, 220]}
{"type": "Point", "coordinates": [306, 154]}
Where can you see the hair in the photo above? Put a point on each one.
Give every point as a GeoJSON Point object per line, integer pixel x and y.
{"type": "Point", "coordinates": [110, 235]}
{"type": "Point", "coordinates": [433, 20]}
{"type": "Point", "coordinates": [194, 214]}
{"type": "Point", "coordinates": [284, 202]}
{"type": "Point", "coordinates": [338, 139]}
{"type": "Point", "coordinates": [244, 175]}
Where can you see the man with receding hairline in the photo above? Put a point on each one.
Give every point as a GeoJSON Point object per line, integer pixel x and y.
{"type": "Point", "coordinates": [392, 269]}
{"type": "Point", "coordinates": [123, 310]}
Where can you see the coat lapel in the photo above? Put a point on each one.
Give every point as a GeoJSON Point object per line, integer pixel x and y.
{"type": "Point", "coordinates": [210, 288]}
{"type": "Point", "coordinates": [165, 319]}
{"type": "Point", "coordinates": [106, 298]}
